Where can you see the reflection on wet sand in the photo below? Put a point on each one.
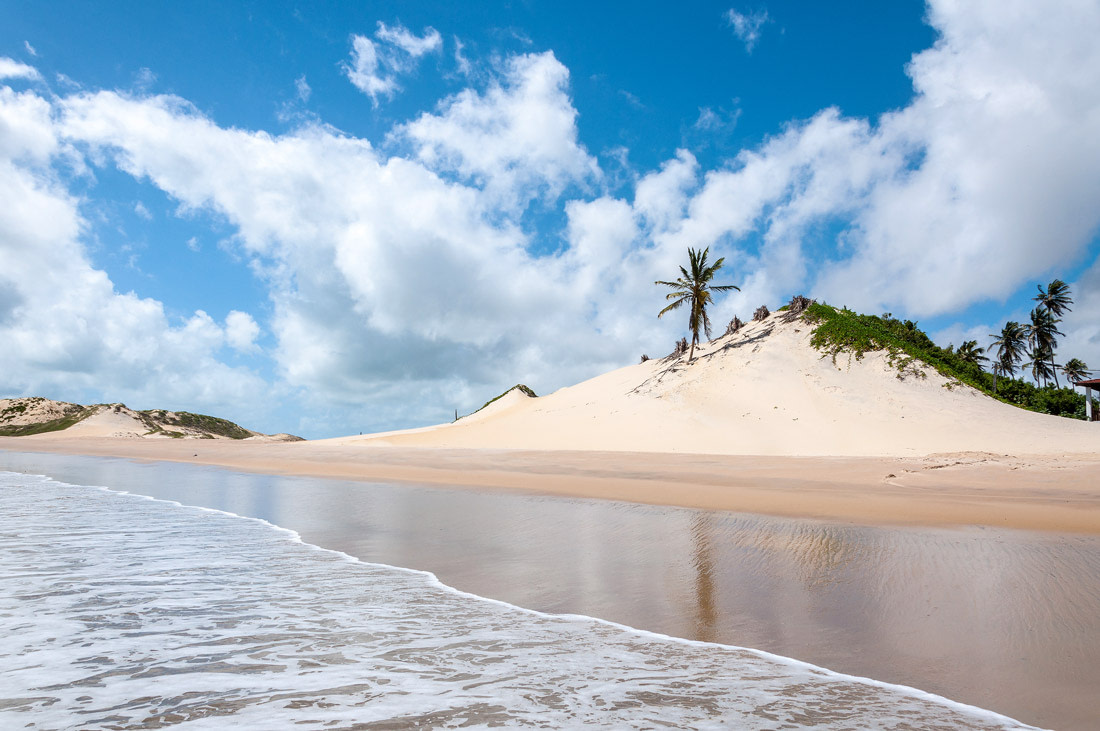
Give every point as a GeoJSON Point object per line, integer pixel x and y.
{"type": "Point", "coordinates": [1006, 620]}
{"type": "Point", "coordinates": [706, 615]}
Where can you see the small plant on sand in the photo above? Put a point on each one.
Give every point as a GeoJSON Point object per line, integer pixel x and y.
{"type": "Point", "coordinates": [798, 304]}
{"type": "Point", "coordinates": [694, 288]}
{"type": "Point", "coordinates": [761, 313]}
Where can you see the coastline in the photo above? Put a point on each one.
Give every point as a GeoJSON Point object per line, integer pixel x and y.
{"type": "Point", "coordinates": [1029, 492]}
{"type": "Point", "coordinates": [948, 610]}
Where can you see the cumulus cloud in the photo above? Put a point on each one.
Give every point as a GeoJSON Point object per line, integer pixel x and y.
{"type": "Point", "coordinates": [241, 331]}
{"type": "Point", "coordinates": [516, 139]}
{"type": "Point", "coordinates": [12, 69]}
{"type": "Point", "coordinates": [376, 64]}
{"type": "Point", "coordinates": [746, 26]}
{"type": "Point", "coordinates": [1000, 164]}
{"type": "Point", "coordinates": [70, 334]}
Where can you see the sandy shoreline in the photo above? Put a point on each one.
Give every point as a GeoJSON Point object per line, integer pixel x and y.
{"type": "Point", "coordinates": [1044, 492]}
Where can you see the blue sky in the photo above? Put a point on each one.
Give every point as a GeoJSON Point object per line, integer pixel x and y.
{"type": "Point", "coordinates": [353, 217]}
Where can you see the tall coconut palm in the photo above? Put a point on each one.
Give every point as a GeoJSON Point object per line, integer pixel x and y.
{"type": "Point", "coordinates": [1041, 337]}
{"type": "Point", "coordinates": [1075, 370]}
{"type": "Point", "coordinates": [1055, 297]}
{"type": "Point", "coordinates": [971, 353]}
{"type": "Point", "coordinates": [1010, 345]}
{"type": "Point", "coordinates": [694, 289]}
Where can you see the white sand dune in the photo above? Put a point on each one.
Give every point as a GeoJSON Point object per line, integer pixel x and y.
{"type": "Point", "coordinates": [108, 422]}
{"type": "Point", "coordinates": [761, 391]}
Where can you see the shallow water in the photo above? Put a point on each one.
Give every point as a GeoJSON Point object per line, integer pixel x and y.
{"type": "Point", "coordinates": [1002, 619]}
{"type": "Point", "coordinates": [124, 612]}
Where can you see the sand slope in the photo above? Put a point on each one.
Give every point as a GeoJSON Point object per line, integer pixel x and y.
{"type": "Point", "coordinates": [761, 391]}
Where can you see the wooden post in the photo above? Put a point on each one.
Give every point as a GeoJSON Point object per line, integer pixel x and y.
{"type": "Point", "coordinates": [1088, 403]}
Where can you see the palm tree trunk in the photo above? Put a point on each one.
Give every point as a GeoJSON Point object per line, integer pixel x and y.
{"type": "Point", "coordinates": [694, 340]}
{"type": "Point", "coordinates": [1054, 370]}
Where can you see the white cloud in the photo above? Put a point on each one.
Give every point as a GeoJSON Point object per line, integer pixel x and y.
{"type": "Point", "coordinates": [301, 88]}
{"type": "Point", "coordinates": [241, 331]}
{"type": "Point", "coordinates": [661, 197]}
{"type": "Point", "coordinates": [142, 211]}
{"type": "Point", "coordinates": [746, 26]}
{"type": "Point", "coordinates": [414, 46]}
{"type": "Point", "coordinates": [144, 79]}
{"type": "Point", "coordinates": [375, 65]}
{"type": "Point", "coordinates": [365, 70]}
{"type": "Point", "coordinates": [516, 139]}
{"type": "Point", "coordinates": [30, 48]}
{"type": "Point", "coordinates": [716, 121]}
{"type": "Point", "coordinates": [461, 62]}
{"type": "Point", "coordinates": [1004, 162]}
{"type": "Point", "coordinates": [12, 69]}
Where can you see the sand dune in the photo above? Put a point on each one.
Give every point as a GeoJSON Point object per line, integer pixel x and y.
{"type": "Point", "coordinates": [761, 391]}
{"type": "Point", "coordinates": [784, 430]}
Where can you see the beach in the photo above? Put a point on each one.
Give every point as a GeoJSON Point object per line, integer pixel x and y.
{"type": "Point", "coordinates": [1003, 619]}
{"type": "Point", "coordinates": [1035, 492]}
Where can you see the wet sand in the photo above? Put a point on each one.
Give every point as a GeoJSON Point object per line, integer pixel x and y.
{"type": "Point", "coordinates": [1041, 492]}
{"type": "Point", "coordinates": [1003, 619]}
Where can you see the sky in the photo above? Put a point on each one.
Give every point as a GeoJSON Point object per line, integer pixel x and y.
{"type": "Point", "coordinates": [332, 218]}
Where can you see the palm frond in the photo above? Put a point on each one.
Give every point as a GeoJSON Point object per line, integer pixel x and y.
{"type": "Point", "coordinates": [674, 305]}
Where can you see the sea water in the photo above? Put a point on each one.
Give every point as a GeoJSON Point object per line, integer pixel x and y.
{"type": "Point", "coordinates": [121, 612]}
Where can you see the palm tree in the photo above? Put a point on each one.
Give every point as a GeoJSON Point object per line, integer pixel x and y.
{"type": "Point", "coordinates": [1040, 335]}
{"type": "Point", "coordinates": [1010, 346]}
{"type": "Point", "coordinates": [695, 289]}
{"type": "Point", "coordinates": [1075, 370]}
{"type": "Point", "coordinates": [1040, 367]}
{"type": "Point", "coordinates": [971, 353]}
{"type": "Point", "coordinates": [1055, 297]}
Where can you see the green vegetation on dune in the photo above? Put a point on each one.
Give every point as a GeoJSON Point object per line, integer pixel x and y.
{"type": "Point", "coordinates": [78, 414]}
{"type": "Point", "coordinates": [211, 425]}
{"type": "Point", "coordinates": [909, 348]}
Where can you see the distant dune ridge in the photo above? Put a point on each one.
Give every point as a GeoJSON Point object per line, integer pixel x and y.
{"type": "Point", "coordinates": [42, 416]}
{"type": "Point", "coordinates": [762, 390]}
